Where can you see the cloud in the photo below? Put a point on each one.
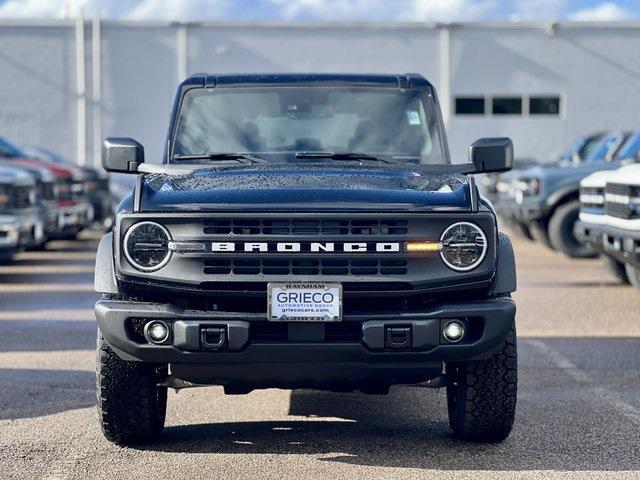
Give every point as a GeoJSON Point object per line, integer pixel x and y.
{"type": "Point", "coordinates": [63, 8]}
{"type": "Point", "coordinates": [192, 10]}
{"type": "Point", "coordinates": [332, 9]}
{"type": "Point", "coordinates": [381, 10]}
{"type": "Point", "coordinates": [316, 10]}
{"type": "Point", "coordinates": [538, 9]}
{"type": "Point", "coordinates": [452, 10]}
{"type": "Point", "coordinates": [608, 11]}
{"type": "Point", "coordinates": [37, 8]}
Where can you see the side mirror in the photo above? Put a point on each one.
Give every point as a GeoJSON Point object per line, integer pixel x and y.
{"type": "Point", "coordinates": [122, 155]}
{"type": "Point", "coordinates": [491, 155]}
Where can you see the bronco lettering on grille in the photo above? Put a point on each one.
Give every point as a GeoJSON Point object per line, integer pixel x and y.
{"type": "Point", "coordinates": [305, 247]}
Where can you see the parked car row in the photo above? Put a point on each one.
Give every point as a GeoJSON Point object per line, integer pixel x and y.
{"type": "Point", "coordinates": [610, 219]}
{"type": "Point", "coordinates": [585, 204]}
{"type": "Point", "coordinates": [45, 197]}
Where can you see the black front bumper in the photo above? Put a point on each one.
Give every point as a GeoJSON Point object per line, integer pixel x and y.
{"type": "Point", "coordinates": [622, 244]}
{"type": "Point", "coordinates": [306, 362]}
{"type": "Point", "coordinates": [590, 234]}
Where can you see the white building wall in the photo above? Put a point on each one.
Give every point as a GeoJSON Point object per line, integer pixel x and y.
{"type": "Point", "coordinates": [595, 68]}
{"type": "Point", "coordinates": [37, 85]}
{"type": "Point", "coordinates": [139, 80]}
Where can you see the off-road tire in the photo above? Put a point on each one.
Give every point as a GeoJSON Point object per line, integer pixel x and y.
{"type": "Point", "coordinates": [633, 274]}
{"type": "Point", "coordinates": [481, 394]}
{"type": "Point", "coordinates": [131, 407]}
{"type": "Point", "coordinates": [561, 233]}
{"type": "Point", "coordinates": [616, 268]}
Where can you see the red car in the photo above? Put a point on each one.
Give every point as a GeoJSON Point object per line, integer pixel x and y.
{"type": "Point", "coordinates": [73, 212]}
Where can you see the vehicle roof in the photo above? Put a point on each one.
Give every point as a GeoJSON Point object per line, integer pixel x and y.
{"type": "Point", "coordinates": [15, 176]}
{"type": "Point", "coordinates": [41, 172]}
{"type": "Point", "coordinates": [408, 80]}
{"type": "Point", "coordinates": [58, 170]}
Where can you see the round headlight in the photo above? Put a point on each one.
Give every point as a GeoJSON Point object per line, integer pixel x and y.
{"type": "Point", "coordinates": [464, 246]}
{"type": "Point", "coordinates": [146, 246]}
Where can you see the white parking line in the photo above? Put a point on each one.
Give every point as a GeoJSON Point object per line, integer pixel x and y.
{"type": "Point", "coordinates": [568, 367]}
{"type": "Point", "coordinates": [33, 270]}
{"type": "Point", "coordinates": [47, 287]}
{"type": "Point", "coordinates": [57, 256]}
{"type": "Point", "coordinates": [39, 315]}
{"type": "Point", "coordinates": [76, 360]}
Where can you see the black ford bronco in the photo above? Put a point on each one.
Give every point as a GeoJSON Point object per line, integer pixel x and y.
{"type": "Point", "coordinates": [306, 231]}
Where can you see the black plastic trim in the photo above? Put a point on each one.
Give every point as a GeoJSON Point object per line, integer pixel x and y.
{"type": "Point", "coordinates": [497, 314]}
{"type": "Point", "coordinates": [505, 281]}
{"type": "Point", "coordinates": [104, 276]}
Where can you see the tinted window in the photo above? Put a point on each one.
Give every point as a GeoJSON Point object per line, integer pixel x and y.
{"type": "Point", "coordinates": [603, 147]}
{"type": "Point", "coordinates": [630, 148]}
{"type": "Point", "coordinates": [9, 150]}
{"type": "Point", "coordinates": [544, 105]}
{"type": "Point", "coordinates": [507, 105]}
{"type": "Point", "coordinates": [470, 106]}
{"type": "Point", "coordinates": [402, 124]}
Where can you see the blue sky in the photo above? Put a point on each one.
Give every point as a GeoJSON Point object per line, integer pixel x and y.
{"type": "Point", "coordinates": [328, 10]}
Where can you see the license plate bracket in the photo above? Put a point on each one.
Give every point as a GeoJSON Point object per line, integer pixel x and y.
{"type": "Point", "coordinates": [304, 302]}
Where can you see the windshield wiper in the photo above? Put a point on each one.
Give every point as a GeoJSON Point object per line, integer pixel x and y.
{"type": "Point", "coordinates": [240, 157]}
{"type": "Point", "coordinates": [346, 156]}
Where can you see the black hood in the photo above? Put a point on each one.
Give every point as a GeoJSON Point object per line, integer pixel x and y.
{"type": "Point", "coordinates": [304, 188]}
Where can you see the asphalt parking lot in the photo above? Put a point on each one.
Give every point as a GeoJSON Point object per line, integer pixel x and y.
{"type": "Point", "coordinates": [578, 411]}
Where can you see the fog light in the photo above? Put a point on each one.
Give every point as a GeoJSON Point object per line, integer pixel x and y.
{"type": "Point", "coordinates": [156, 331]}
{"type": "Point", "coordinates": [453, 331]}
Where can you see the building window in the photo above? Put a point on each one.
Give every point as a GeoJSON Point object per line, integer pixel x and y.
{"type": "Point", "coordinates": [469, 105]}
{"type": "Point", "coordinates": [506, 105]}
{"type": "Point", "coordinates": [544, 105]}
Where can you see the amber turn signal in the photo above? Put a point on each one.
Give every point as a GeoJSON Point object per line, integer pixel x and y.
{"type": "Point", "coordinates": [422, 247]}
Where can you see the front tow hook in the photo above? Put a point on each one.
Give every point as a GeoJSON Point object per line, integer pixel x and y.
{"type": "Point", "coordinates": [398, 338]}
{"type": "Point", "coordinates": [213, 338]}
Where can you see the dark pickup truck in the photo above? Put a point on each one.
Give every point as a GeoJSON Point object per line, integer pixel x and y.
{"type": "Point", "coordinates": [306, 231]}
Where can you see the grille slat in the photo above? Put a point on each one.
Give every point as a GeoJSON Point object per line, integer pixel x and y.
{"type": "Point", "coordinates": [621, 201]}
{"type": "Point", "coordinates": [305, 227]}
{"type": "Point", "coordinates": [22, 197]}
{"type": "Point", "coordinates": [47, 191]}
{"type": "Point", "coordinates": [306, 266]}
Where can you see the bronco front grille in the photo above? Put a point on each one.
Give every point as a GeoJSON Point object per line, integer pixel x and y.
{"type": "Point", "coordinates": [302, 227]}
{"type": "Point", "coordinates": [592, 197]}
{"type": "Point", "coordinates": [621, 201]}
{"type": "Point", "coordinates": [239, 253]}
{"type": "Point", "coordinates": [305, 266]}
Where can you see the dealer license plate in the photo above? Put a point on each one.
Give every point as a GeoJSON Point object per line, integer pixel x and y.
{"type": "Point", "coordinates": [304, 302]}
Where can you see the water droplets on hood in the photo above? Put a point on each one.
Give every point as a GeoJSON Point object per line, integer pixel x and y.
{"type": "Point", "coordinates": [267, 177]}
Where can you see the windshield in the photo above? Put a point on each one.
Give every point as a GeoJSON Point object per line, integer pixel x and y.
{"type": "Point", "coordinates": [397, 125]}
{"type": "Point", "coordinates": [9, 150]}
{"type": "Point", "coordinates": [603, 149]}
{"type": "Point", "coordinates": [588, 146]}
{"type": "Point", "coordinates": [630, 148]}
